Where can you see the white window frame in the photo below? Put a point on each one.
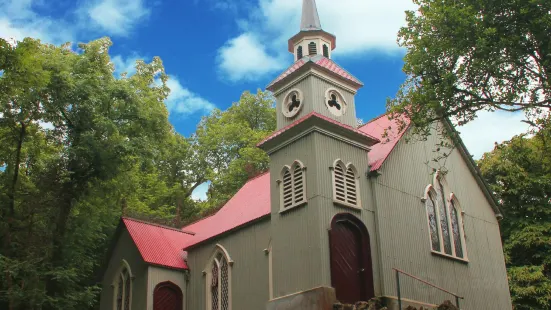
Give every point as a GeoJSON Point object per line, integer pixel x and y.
{"type": "Point", "coordinates": [449, 196]}
{"type": "Point", "coordinates": [219, 249]}
{"type": "Point", "coordinates": [291, 170]}
{"type": "Point", "coordinates": [339, 95]}
{"type": "Point", "coordinates": [115, 284]}
{"type": "Point", "coordinates": [345, 168]}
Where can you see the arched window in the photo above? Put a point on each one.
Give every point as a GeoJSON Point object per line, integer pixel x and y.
{"type": "Point", "coordinates": [218, 280]}
{"type": "Point", "coordinates": [325, 50]}
{"type": "Point", "coordinates": [299, 53]}
{"type": "Point", "coordinates": [444, 219]}
{"type": "Point", "coordinates": [123, 287]}
{"type": "Point", "coordinates": [293, 186]}
{"type": "Point", "coordinates": [312, 49]}
{"type": "Point", "coordinates": [345, 184]}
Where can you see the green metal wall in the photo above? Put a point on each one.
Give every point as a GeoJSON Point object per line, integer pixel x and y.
{"type": "Point", "coordinates": [249, 273]}
{"type": "Point", "coordinates": [125, 249]}
{"type": "Point", "coordinates": [404, 236]}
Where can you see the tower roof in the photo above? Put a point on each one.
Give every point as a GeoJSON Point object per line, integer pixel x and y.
{"type": "Point", "coordinates": [310, 18]}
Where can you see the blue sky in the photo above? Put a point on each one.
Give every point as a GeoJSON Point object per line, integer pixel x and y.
{"type": "Point", "coordinates": [214, 50]}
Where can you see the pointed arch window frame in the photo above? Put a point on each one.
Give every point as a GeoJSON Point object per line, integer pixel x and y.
{"type": "Point", "coordinates": [295, 202]}
{"type": "Point", "coordinates": [218, 251]}
{"type": "Point", "coordinates": [126, 290]}
{"type": "Point", "coordinates": [345, 168]}
{"type": "Point", "coordinates": [438, 188]}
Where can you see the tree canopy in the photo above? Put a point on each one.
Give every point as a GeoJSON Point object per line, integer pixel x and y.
{"type": "Point", "coordinates": [79, 147]}
{"type": "Point", "coordinates": [519, 172]}
{"type": "Point", "coordinates": [464, 56]}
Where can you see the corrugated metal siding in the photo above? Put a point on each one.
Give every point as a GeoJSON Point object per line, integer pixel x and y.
{"type": "Point", "coordinates": [303, 232]}
{"type": "Point", "coordinates": [158, 275]}
{"type": "Point", "coordinates": [319, 87]}
{"type": "Point", "coordinates": [125, 249]}
{"type": "Point", "coordinates": [404, 235]}
{"type": "Point", "coordinates": [313, 89]}
{"type": "Point", "coordinates": [249, 278]}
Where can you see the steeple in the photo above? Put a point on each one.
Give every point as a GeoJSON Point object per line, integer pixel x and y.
{"type": "Point", "coordinates": [311, 40]}
{"type": "Point", "coordinates": [310, 18]}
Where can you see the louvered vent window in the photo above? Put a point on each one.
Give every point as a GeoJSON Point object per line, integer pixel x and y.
{"type": "Point", "coordinates": [293, 186]}
{"type": "Point", "coordinates": [345, 184]}
{"type": "Point", "coordinates": [299, 52]}
{"type": "Point", "coordinates": [312, 50]}
{"type": "Point", "coordinates": [325, 50]}
{"type": "Point", "coordinates": [287, 189]}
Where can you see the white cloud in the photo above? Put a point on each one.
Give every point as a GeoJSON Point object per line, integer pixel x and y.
{"type": "Point", "coordinates": [123, 64]}
{"type": "Point", "coordinates": [244, 58]}
{"type": "Point", "coordinates": [183, 102]}
{"type": "Point", "coordinates": [360, 26]}
{"type": "Point", "coordinates": [117, 17]}
{"type": "Point", "coordinates": [490, 127]}
{"type": "Point", "coordinates": [200, 193]}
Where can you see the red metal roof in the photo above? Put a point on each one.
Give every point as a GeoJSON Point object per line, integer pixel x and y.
{"type": "Point", "coordinates": [315, 114]}
{"type": "Point", "coordinates": [251, 202]}
{"type": "Point", "coordinates": [380, 151]}
{"type": "Point", "coordinates": [333, 67]}
{"type": "Point", "coordinates": [320, 61]}
{"type": "Point", "coordinates": [159, 245]}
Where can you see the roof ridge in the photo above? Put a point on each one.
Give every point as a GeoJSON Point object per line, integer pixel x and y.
{"type": "Point", "coordinates": [158, 225]}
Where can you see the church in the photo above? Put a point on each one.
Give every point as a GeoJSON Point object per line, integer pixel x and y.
{"type": "Point", "coordinates": [345, 214]}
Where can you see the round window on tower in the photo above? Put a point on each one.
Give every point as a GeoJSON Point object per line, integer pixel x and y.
{"type": "Point", "coordinates": [292, 103]}
{"type": "Point", "coordinates": [335, 102]}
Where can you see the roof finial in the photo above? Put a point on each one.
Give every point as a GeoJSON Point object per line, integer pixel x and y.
{"type": "Point", "coordinates": [310, 18]}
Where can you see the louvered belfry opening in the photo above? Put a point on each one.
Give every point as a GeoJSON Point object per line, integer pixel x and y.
{"type": "Point", "coordinates": [293, 186]}
{"type": "Point", "coordinates": [325, 50]}
{"type": "Point", "coordinates": [312, 49]}
{"type": "Point", "coordinates": [345, 186]}
{"type": "Point", "coordinates": [299, 53]}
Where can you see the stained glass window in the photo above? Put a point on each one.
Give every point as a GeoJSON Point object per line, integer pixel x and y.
{"type": "Point", "coordinates": [214, 286]}
{"type": "Point", "coordinates": [444, 220]}
{"type": "Point", "coordinates": [456, 230]}
{"type": "Point", "coordinates": [433, 223]}
{"type": "Point", "coordinates": [120, 292]}
{"type": "Point", "coordinates": [220, 283]}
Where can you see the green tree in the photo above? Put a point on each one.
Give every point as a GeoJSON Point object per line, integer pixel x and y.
{"type": "Point", "coordinates": [226, 143]}
{"type": "Point", "coordinates": [69, 132]}
{"type": "Point", "coordinates": [464, 56]}
{"type": "Point", "coordinates": [519, 172]}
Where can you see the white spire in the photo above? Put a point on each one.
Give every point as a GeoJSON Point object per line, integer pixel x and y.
{"type": "Point", "coordinates": [310, 18]}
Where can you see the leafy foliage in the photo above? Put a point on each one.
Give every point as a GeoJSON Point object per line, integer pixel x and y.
{"type": "Point", "coordinates": [80, 147]}
{"type": "Point", "coordinates": [519, 172]}
{"type": "Point", "coordinates": [466, 56]}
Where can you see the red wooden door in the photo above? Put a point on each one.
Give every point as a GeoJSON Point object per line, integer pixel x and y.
{"type": "Point", "coordinates": [167, 296]}
{"type": "Point", "coordinates": [351, 272]}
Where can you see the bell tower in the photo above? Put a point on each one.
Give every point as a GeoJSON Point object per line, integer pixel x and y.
{"type": "Point", "coordinates": [318, 166]}
{"type": "Point", "coordinates": [314, 83]}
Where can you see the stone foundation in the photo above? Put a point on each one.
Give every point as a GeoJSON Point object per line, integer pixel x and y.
{"type": "Point", "coordinates": [321, 298]}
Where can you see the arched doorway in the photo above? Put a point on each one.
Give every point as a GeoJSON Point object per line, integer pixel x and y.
{"type": "Point", "coordinates": [167, 296]}
{"type": "Point", "coordinates": [351, 270]}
